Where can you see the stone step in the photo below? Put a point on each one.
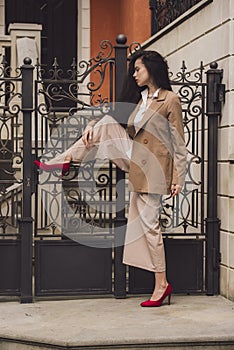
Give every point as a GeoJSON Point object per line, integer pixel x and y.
{"type": "Point", "coordinates": [191, 322]}
{"type": "Point", "coordinates": [10, 344]}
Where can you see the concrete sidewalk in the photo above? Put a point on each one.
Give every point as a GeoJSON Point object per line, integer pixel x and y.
{"type": "Point", "coordinates": [190, 322]}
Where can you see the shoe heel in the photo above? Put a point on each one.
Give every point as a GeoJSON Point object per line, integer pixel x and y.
{"type": "Point", "coordinates": [169, 299]}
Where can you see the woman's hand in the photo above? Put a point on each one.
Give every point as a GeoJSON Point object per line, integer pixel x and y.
{"type": "Point", "coordinates": [87, 136]}
{"type": "Point", "coordinates": [175, 190]}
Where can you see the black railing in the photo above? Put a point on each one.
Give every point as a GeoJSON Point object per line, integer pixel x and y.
{"type": "Point", "coordinates": [165, 12]}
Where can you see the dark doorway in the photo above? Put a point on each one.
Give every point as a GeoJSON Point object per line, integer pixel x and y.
{"type": "Point", "coordinates": [59, 26]}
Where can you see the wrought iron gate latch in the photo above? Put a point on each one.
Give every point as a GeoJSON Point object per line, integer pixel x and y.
{"type": "Point", "coordinates": [219, 92]}
{"type": "Point", "coordinates": [28, 182]}
{"type": "Point", "coordinates": [215, 90]}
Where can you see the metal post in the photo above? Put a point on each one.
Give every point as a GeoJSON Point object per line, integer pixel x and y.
{"type": "Point", "coordinates": [120, 220]}
{"type": "Point", "coordinates": [152, 6]}
{"type": "Point", "coordinates": [215, 95]}
{"type": "Point", "coordinates": [26, 220]}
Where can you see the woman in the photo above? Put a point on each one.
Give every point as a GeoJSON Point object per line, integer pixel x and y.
{"type": "Point", "coordinates": [152, 150]}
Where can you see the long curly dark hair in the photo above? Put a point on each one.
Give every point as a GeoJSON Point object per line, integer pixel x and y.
{"type": "Point", "coordinates": [157, 68]}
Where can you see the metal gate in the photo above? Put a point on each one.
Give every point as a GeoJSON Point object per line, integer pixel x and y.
{"type": "Point", "coordinates": [58, 238]}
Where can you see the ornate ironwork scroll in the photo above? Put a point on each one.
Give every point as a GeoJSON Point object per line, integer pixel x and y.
{"type": "Point", "coordinates": [10, 149]}
{"type": "Point", "coordinates": [185, 214]}
{"type": "Point", "coordinates": [65, 103]}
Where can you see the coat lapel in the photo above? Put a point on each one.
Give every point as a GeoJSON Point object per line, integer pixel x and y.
{"type": "Point", "coordinates": [131, 127]}
{"type": "Point", "coordinates": [152, 109]}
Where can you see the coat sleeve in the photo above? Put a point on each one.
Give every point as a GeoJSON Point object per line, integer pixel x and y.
{"type": "Point", "coordinates": [178, 142]}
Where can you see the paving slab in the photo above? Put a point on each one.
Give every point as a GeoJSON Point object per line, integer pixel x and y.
{"type": "Point", "coordinates": [109, 323]}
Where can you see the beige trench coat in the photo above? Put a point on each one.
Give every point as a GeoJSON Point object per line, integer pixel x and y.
{"type": "Point", "coordinates": [159, 151]}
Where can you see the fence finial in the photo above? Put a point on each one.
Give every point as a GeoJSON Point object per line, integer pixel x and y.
{"type": "Point", "coordinates": [214, 65]}
{"type": "Point", "coordinates": [121, 39]}
{"type": "Point", "coordinates": [27, 60]}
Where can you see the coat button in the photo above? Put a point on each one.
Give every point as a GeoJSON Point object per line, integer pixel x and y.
{"type": "Point", "coordinates": [145, 141]}
{"type": "Point", "coordinates": [143, 162]}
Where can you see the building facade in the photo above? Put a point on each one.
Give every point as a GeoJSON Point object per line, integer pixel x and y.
{"type": "Point", "coordinates": [202, 32]}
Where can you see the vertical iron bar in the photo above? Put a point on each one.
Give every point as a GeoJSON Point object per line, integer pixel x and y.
{"type": "Point", "coordinates": [214, 77]}
{"type": "Point", "coordinates": [120, 220]}
{"type": "Point", "coordinates": [203, 158]}
{"type": "Point", "coordinates": [26, 221]}
{"type": "Point", "coordinates": [152, 6]}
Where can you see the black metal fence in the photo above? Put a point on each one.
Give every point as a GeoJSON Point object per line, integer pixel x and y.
{"type": "Point", "coordinates": [69, 240]}
{"type": "Point", "coordinates": [164, 12]}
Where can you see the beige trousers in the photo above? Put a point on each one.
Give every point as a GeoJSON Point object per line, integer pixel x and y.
{"type": "Point", "coordinates": [143, 242]}
{"type": "Point", "coordinates": [144, 246]}
{"type": "Point", "coordinates": [110, 141]}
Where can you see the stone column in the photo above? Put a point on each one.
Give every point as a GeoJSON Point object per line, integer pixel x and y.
{"type": "Point", "coordinates": [25, 42]}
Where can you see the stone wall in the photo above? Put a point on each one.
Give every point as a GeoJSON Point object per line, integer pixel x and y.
{"type": "Point", "coordinates": [2, 17]}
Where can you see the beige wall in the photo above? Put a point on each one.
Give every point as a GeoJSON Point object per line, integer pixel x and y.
{"type": "Point", "coordinates": [209, 36]}
{"type": "Point", "coordinates": [2, 17]}
{"type": "Point", "coordinates": [83, 30]}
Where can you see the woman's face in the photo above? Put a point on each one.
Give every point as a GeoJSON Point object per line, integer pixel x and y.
{"type": "Point", "coordinates": [141, 74]}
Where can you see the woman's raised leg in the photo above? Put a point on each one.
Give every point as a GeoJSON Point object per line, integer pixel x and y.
{"type": "Point", "coordinates": [109, 141]}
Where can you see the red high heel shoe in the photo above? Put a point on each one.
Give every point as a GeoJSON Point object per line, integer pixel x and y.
{"type": "Point", "coordinates": [50, 167]}
{"type": "Point", "coordinates": [156, 303]}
